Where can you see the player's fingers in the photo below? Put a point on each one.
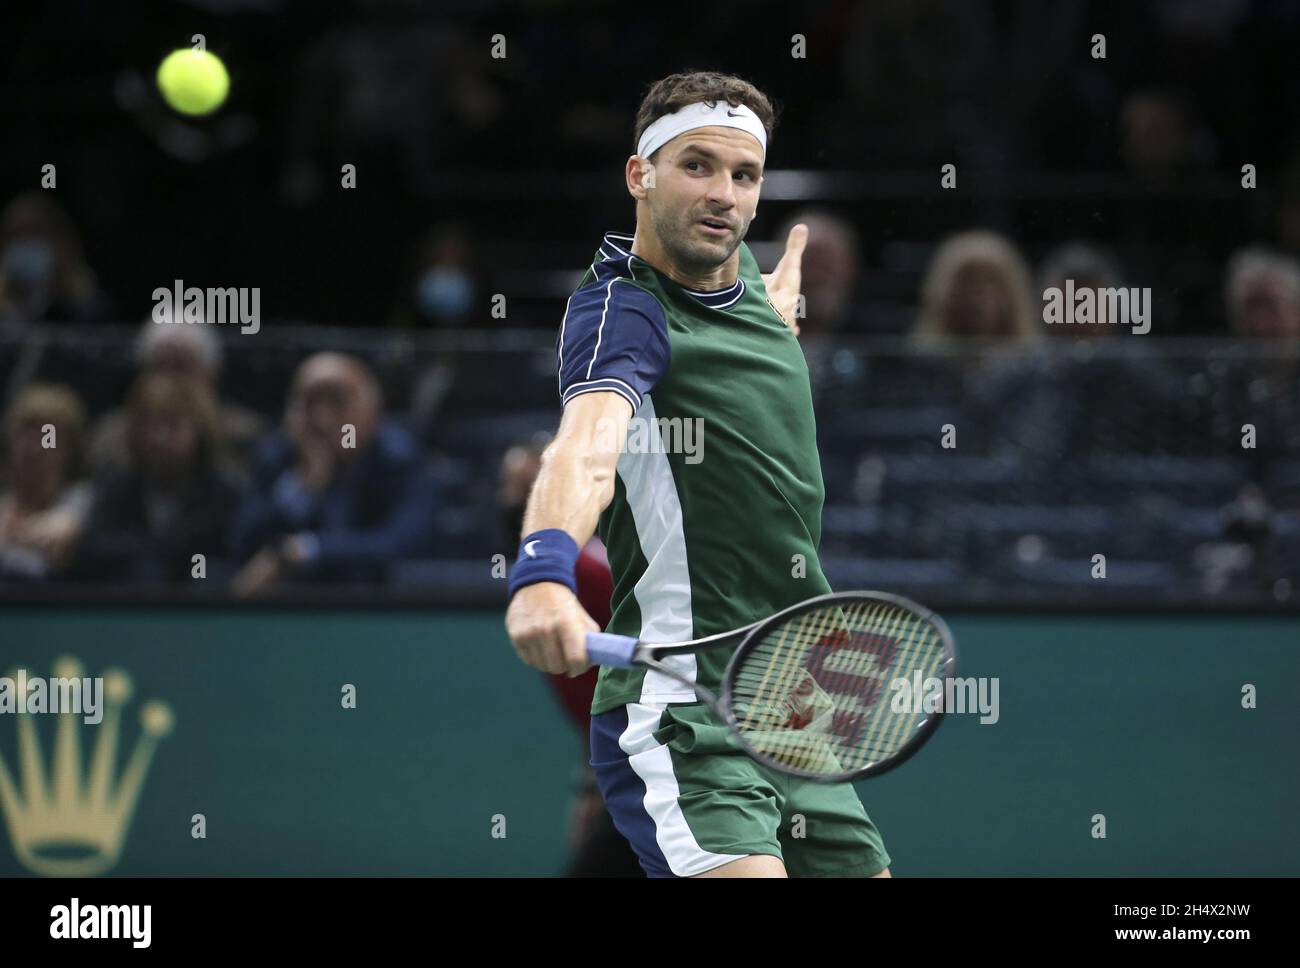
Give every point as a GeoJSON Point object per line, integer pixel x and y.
{"type": "Point", "coordinates": [575, 646]}
{"type": "Point", "coordinates": [526, 649]}
{"type": "Point", "coordinates": [549, 655]}
{"type": "Point", "coordinates": [538, 647]}
{"type": "Point", "coordinates": [796, 242]}
{"type": "Point", "coordinates": [789, 269]}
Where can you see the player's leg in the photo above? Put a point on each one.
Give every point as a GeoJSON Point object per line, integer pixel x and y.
{"type": "Point", "coordinates": [599, 849]}
{"type": "Point", "coordinates": [825, 832]}
{"type": "Point", "coordinates": [683, 794]}
{"type": "Point", "coordinates": [756, 865]}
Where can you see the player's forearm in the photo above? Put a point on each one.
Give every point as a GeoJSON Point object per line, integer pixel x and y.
{"type": "Point", "coordinates": [571, 490]}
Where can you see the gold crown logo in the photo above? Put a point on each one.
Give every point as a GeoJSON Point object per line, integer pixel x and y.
{"type": "Point", "coordinates": [66, 824]}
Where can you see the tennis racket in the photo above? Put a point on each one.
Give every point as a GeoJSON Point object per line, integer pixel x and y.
{"type": "Point", "coordinates": [810, 691]}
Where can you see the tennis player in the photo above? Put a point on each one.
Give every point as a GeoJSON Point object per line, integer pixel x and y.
{"type": "Point", "coordinates": [687, 437]}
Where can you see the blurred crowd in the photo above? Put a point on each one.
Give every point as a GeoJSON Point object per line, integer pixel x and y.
{"type": "Point", "coordinates": [177, 481]}
{"type": "Point", "coordinates": [179, 486]}
{"type": "Point", "coordinates": [977, 283]}
{"type": "Point", "coordinates": [1075, 172]}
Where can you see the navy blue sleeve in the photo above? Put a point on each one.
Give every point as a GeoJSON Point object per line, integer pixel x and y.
{"type": "Point", "coordinates": [613, 337]}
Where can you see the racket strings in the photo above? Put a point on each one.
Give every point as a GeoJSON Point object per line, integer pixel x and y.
{"type": "Point", "coordinates": [817, 692]}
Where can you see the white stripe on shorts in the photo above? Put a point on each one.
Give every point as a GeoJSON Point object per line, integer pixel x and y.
{"type": "Point", "coordinates": [653, 763]}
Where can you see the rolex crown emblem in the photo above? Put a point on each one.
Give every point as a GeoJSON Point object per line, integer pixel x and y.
{"type": "Point", "coordinates": [70, 821]}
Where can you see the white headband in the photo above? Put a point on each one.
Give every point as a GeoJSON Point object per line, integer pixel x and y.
{"type": "Point", "coordinates": [701, 115]}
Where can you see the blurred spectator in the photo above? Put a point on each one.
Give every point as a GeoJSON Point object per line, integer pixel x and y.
{"type": "Point", "coordinates": [191, 351]}
{"type": "Point", "coordinates": [1162, 134]}
{"type": "Point", "coordinates": [43, 273]}
{"type": "Point", "coordinates": [1262, 290]}
{"type": "Point", "coordinates": [42, 504]}
{"type": "Point", "coordinates": [173, 499]}
{"type": "Point", "coordinates": [519, 468]}
{"type": "Point", "coordinates": [977, 285]}
{"type": "Point", "coordinates": [442, 287]}
{"type": "Point", "coordinates": [340, 492]}
{"type": "Point", "coordinates": [831, 272]}
{"type": "Point", "coordinates": [440, 293]}
{"type": "Point", "coordinates": [1088, 267]}
{"type": "Point", "coordinates": [1263, 294]}
{"type": "Point", "coordinates": [1161, 238]}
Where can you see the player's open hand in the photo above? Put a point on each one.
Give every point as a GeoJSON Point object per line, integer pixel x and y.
{"type": "Point", "coordinates": [549, 627]}
{"type": "Point", "coordinates": [785, 281]}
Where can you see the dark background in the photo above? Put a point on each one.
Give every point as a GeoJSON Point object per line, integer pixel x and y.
{"type": "Point", "coordinates": [527, 151]}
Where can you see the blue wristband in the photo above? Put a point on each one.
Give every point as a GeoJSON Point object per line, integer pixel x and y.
{"type": "Point", "coordinates": [547, 555]}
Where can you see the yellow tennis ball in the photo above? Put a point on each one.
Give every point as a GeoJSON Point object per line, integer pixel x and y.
{"type": "Point", "coordinates": [193, 82]}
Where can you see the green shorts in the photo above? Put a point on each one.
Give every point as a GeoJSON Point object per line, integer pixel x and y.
{"type": "Point", "coordinates": [687, 797]}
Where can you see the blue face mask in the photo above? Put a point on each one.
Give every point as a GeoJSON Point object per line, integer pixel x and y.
{"type": "Point", "coordinates": [27, 264]}
{"type": "Point", "coordinates": [443, 294]}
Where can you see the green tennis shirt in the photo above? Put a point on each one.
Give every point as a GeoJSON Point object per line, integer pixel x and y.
{"type": "Point", "coordinates": [716, 514]}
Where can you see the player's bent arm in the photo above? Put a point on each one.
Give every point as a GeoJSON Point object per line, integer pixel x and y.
{"type": "Point", "coordinates": [545, 621]}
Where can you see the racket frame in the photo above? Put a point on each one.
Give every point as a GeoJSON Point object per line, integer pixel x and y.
{"type": "Point", "coordinates": [750, 635]}
{"type": "Point", "coordinates": [920, 734]}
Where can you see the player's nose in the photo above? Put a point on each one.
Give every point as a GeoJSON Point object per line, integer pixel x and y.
{"type": "Point", "coordinates": [721, 195]}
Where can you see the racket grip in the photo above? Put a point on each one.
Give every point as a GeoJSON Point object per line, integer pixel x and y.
{"type": "Point", "coordinates": [611, 650]}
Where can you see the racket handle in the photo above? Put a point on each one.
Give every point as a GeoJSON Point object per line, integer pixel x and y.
{"type": "Point", "coordinates": [611, 650]}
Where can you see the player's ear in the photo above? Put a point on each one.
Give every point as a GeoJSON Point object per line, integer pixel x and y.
{"type": "Point", "coordinates": [640, 176]}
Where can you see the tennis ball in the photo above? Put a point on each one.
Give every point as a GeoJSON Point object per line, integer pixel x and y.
{"type": "Point", "coordinates": [193, 82]}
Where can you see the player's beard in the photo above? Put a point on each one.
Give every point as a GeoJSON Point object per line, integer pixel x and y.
{"type": "Point", "coordinates": [687, 247]}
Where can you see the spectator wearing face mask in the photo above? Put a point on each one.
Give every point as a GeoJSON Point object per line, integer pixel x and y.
{"type": "Point", "coordinates": [441, 295]}
{"type": "Point", "coordinates": [173, 500]}
{"type": "Point", "coordinates": [340, 493]}
{"type": "Point", "coordinates": [43, 273]}
{"type": "Point", "coordinates": [442, 289]}
{"type": "Point", "coordinates": [42, 503]}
